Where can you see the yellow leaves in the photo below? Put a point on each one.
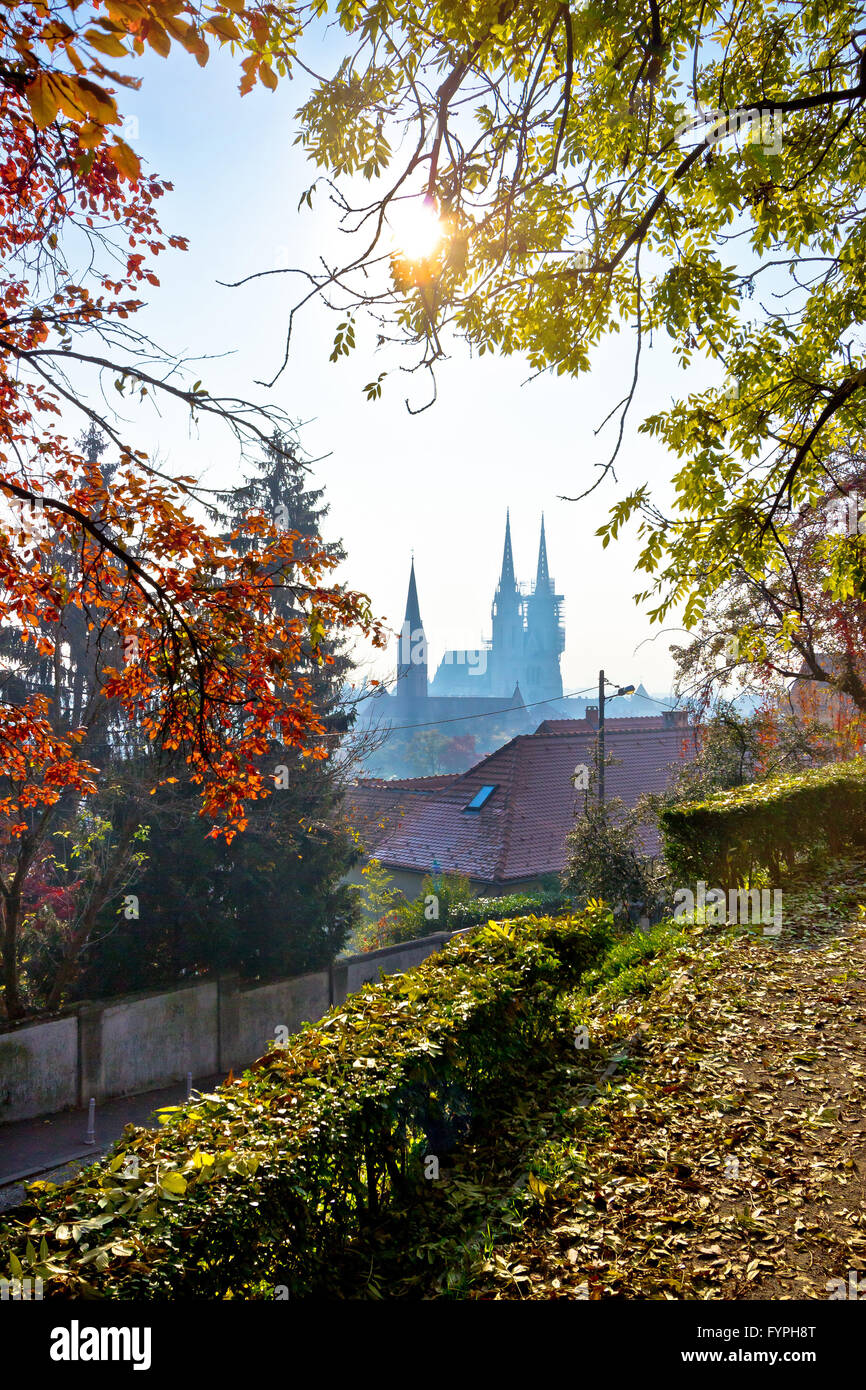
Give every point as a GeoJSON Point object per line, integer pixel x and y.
{"type": "Point", "coordinates": [224, 27]}
{"type": "Point", "coordinates": [236, 6]}
{"type": "Point", "coordinates": [158, 39]}
{"type": "Point", "coordinates": [90, 135]}
{"type": "Point", "coordinates": [109, 44]}
{"type": "Point", "coordinates": [76, 97]}
{"type": "Point", "coordinates": [173, 1184]}
{"type": "Point", "coordinates": [268, 76]}
{"type": "Point", "coordinates": [42, 100]}
{"type": "Point", "coordinates": [95, 100]}
{"type": "Point", "coordinates": [126, 160]}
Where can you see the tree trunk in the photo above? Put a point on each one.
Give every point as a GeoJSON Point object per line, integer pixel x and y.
{"type": "Point", "coordinates": [11, 911]}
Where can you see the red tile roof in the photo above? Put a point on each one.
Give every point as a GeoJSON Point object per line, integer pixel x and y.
{"type": "Point", "coordinates": [520, 832]}
{"type": "Point", "coordinates": [374, 805]}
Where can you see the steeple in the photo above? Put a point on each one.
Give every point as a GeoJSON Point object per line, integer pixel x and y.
{"type": "Point", "coordinates": [412, 653]}
{"type": "Point", "coordinates": [506, 579]}
{"type": "Point", "coordinates": [413, 609]}
{"type": "Point", "coordinates": [542, 578]}
{"type": "Point", "coordinates": [545, 637]}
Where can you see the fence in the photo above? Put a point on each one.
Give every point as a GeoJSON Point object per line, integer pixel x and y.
{"type": "Point", "coordinates": [140, 1042]}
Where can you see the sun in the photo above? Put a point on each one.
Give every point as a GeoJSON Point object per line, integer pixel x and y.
{"type": "Point", "coordinates": [417, 229]}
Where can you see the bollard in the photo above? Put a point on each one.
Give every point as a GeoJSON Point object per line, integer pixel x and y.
{"type": "Point", "coordinates": [90, 1136]}
{"type": "Point", "coordinates": [188, 1084]}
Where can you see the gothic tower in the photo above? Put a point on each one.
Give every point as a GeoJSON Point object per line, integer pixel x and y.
{"type": "Point", "coordinates": [412, 649]}
{"type": "Point", "coordinates": [506, 650]}
{"type": "Point", "coordinates": [545, 637]}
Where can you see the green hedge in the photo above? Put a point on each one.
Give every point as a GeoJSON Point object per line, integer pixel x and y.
{"type": "Point", "coordinates": [768, 826]}
{"type": "Point", "coordinates": [268, 1181]}
{"type": "Point", "coordinates": [470, 914]}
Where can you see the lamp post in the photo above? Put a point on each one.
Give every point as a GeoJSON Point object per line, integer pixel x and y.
{"type": "Point", "coordinates": [622, 690]}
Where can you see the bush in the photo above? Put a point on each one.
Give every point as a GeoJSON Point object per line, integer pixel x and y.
{"type": "Point", "coordinates": [469, 914]}
{"type": "Point", "coordinates": [604, 858]}
{"type": "Point", "coordinates": [271, 1180]}
{"type": "Point", "coordinates": [770, 826]}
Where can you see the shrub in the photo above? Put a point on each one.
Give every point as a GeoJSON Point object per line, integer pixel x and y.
{"type": "Point", "coordinates": [469, 914]}
{"type": "Point", "coordinates": [604, 857]}
{"type": "Point", "coordinates": [270, 1180]}
{"type": "Point", "coordinates": [770, 826]}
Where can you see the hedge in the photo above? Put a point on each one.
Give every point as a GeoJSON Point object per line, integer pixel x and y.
{"type": "Point", "coordinates": [477, 910]}
{"type": "Point", "coordinates": [770, 826]}
{"type": "Point", "coordinates": [268, 1181]}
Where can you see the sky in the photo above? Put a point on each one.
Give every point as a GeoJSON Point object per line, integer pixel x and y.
{"type": "Point", "coordinates": [436, 483]}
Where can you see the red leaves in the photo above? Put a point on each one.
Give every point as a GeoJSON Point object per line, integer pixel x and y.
{"type": "Point", "coordinates": [213, 672]}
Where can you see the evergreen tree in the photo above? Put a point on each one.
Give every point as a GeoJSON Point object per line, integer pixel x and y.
{"type": "Point", "coordinates": [272, 902]}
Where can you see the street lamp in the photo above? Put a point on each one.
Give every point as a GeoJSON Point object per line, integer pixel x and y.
{"type": "Point", "coordinates": [622, 690]}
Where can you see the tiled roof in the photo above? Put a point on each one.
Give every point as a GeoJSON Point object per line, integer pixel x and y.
{"type": "Point", "coordinates": [374, 805]}
{"type": "Point", "coordinates": [520, 832]}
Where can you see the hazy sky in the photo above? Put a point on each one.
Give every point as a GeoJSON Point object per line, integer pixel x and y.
{"type": "Point", "coordinates": [438, 482]}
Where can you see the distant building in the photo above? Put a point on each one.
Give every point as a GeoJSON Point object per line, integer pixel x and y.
{"type": "Point", "coordinates": [527, 641]}
{"type": "Point", "coordinates": [500, 689]}
{"type": "Point", "coordinates": [504, 823]}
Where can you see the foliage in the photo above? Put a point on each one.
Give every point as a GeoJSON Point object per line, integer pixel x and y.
{"type": "Point", "coordinates": [732, 749]}
{"type": "Point", "coordinates": [541, 904]}
{"type": "Point", "coordinates": [691, 170]}
{"type": "Point", "coordinates": [271, 1179]}
{"type": "Point", "coordinates": [604, 856]}
{"type": "Point", "coordinates": [185, 645]}
{"type": "Point", "coordinates": [441, 896]}
{"type": "Point", "coordinates": [771, 826]}
{"type": "Point", "coordinates": [761, 631]}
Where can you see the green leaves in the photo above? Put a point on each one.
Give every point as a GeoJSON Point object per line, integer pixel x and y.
{"type": "Point", "coordinates": [279, 1171]}
{"type": "Point", "coordinates": [663, 179]}
{"type": "Point", "coordinates": [344, 340]}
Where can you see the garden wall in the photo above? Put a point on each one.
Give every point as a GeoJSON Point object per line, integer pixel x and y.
{"type": "Point", "coordinates": [141, 1042]}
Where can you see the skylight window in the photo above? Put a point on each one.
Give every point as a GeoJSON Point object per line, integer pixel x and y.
{"type": "Point", "coordinates": [480, 798]}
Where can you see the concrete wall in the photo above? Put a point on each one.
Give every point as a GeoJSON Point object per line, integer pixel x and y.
{"type": "Point", "coordinates": [144, 1041]}
{"type": "Point", "coordinates": [38, 1065]}
{"type": "Point", "coordinates": [285, 1004]}
{"type": "Point", "coordinates": [156, 1039]}
{"type": "Point", "coordinates": [351, 974]}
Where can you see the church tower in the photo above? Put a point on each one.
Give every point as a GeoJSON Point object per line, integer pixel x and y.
{"type": "Point", "coordinates": [545, 636]}
{"type": "Point", "coordinates": [412, 649]}
{"type": "Point", "coordinates": [506, 650]}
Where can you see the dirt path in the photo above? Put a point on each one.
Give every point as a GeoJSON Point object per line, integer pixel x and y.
{"type": "Point", "coordinates": [727, 1158]}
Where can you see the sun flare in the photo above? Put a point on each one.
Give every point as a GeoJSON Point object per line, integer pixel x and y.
{"type": "Point", "coordinates": [417, 229]}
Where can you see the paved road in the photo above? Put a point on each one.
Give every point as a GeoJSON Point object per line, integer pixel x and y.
{"type": "Point", "coordinates": [54, 1146]}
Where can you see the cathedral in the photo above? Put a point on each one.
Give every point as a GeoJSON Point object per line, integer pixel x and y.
{"type": "Point", "coordinates": [527, 640]}
{"type": "Point", "coordinates": [519, 666]}
{"type": "Point", "coordinates": [508, 686]}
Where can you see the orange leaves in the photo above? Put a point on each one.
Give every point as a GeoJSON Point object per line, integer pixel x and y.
{"type": "Point", "coordinates": [250, 68]}
{"type": "Point", "coordinates": [157, 38]}
{"type": "Point", "coordinates": [126, 159]}
{"type": "Point", "coordinates": [224, 26]}
{"type": "Point", "coordinates": [109, 44]}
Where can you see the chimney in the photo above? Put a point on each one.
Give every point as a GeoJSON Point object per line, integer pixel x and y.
{"type": "Point", "coordinates": [591, 716]}
{"type": "Point", "coordinates": [675, 718]}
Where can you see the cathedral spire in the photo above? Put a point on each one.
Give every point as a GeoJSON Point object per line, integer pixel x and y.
{"type": "Point", "coordinates": [413, 610]}
{"type": "Point", "coordinates": [506, 579]}
{"type": "Point", "coordinates": [412, 657]}
{"type": "Point", "coordinates": [542, 578]}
